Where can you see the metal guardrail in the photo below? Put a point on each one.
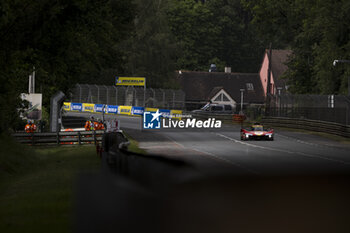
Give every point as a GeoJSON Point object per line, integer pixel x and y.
{"type": "Point", "coordinates": [312, 125]}
{"type": "Point", "coordinates": [60, 138]}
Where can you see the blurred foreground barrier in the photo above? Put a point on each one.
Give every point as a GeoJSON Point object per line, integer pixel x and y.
{"type": "Point", "coordinates": [312, 125]}
{"type": "Point", "coordinates": [148, 170]}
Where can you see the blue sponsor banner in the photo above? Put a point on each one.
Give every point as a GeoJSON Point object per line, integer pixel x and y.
{"type": "Point", "coordinates": [76, 107]}
{"type": "Point", "coordinates": [137, 110]}
{"type": "Point", "coordinates": [112, 109]}
{"type": "Point", "coordinates": [165, 113]}
{"type": "Point", "coordinates": [100, 107]}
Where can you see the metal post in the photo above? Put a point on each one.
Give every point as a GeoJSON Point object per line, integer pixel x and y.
{"type": "Point", "coordinates": [241, 111]}
{"type": "Point", "coordinates": [279, 100]}
{"type": "Point", "coordinates": [33, 80]}
{"type": "Point", "coordinates": [79, 138]}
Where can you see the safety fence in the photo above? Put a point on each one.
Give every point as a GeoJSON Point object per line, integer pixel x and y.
{"type": "Point", "coordinates": [329, 108]}
{"type": "Point", "coordinates": [306, 124]}
{"type": "Point", "coordinates": [117, 109]}
{"type": "Point", "coordinates": [127, 96]}
{"type": "Point", "coordinates": [60, 138]}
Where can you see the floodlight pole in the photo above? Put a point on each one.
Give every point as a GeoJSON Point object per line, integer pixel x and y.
{"type": "Point", "coordinates": [343, 61]}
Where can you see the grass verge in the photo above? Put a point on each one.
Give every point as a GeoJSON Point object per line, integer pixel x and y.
{"type": "Point", "coordinates": [134, 145]}
{"type": "Point", "coordinates": [36, 185]}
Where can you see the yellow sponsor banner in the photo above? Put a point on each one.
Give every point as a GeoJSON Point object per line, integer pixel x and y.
{"type": "Point", "coordinates": [151, 109]}
{"type": "Point", "coordinates": [130, 81]}
{"type": "Point", "coordinates": [66, 106]}
{"type": "Point", "coordinates": [125, 110]}
{"type": "Point", "coordinates": [175, 113]}
{"type": "Point", "coordinates": [88, 107]}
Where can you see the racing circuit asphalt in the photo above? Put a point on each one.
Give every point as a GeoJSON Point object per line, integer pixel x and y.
{"type": "Point", "coordinates": [222, 152]}
{"type": "Point", "coordinates": [296, 183]}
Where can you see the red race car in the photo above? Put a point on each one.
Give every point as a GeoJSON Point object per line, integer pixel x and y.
{"type": "Point", "coordinates": [257, 131]}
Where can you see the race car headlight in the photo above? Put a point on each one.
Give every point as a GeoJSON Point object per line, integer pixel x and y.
{"type": "Point", "coordinates": [248, 134]}
{"type": "Point", "coordinates": [269, 134]}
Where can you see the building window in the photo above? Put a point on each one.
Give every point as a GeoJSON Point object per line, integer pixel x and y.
{"type": "Point", "coordinates": [218, 98]}
{"type": "Point", "coordinates": [222, 97]}
{"type": "Point", "coordinates": [250, 86]}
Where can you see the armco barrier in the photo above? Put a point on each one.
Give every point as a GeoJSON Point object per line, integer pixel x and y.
{"type": "Point", "coordinates": [60, 138]}
{"type": "Point", "coordinates": [312, 125]}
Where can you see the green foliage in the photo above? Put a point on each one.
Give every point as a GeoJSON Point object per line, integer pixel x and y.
{"type": "Point", "coordinates": [317, 32]}
{"type": "Point", "coordinates": [67, 42]}
{"type": "Point", "coordinates": [86, 41]}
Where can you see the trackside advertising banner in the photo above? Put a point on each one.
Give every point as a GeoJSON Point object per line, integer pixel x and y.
{"type": "Point", "coordinates": [176, 114]}
{"type": "Point", "coordinates": [100, 108]}
{"type": "Point", "coordinates": [76, 107]}
{"type": "Point", "coordinates": [137, 110]}
{"type": "Point", "coordinates": [125, 110]}
{"type": "Point", "coordinates": [88, 107]}
{"type": "Point", "coordinates": [130, 81]}
{"type": "Point", "coordinates": [115, 109]}
{"type": "Point", "coordinates": [112, 109]}
{"type": "Point", "coordinates": [165, 113]}
{"type": "Point", "coordinates": [66, 106]}
{"type": "Point", "coordinates": [151, 109]}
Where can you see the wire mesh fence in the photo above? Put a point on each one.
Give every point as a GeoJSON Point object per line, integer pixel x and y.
{"type": "Point", "coordinates": [330, 108]}
{"type": "Point", "coordinates": [127, 95]}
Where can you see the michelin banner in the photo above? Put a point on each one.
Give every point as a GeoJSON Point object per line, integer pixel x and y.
{"type": "Point", "coordinates": [175, 113]}
{"type": "Point", "coordinates": [88, 107]}
{"type": "Point", "coordinates": [125, 110]}
{"type": "Point", "coordinates": [112, 109]}
{"type": "Point", "coordinates": [76, 107]}
{"type": "Point", "coordinates": [130, 81]}
{"type": "Point", "coordinates": [137, 110]}
{"type": "Point", "coordinates": [165, 113]}
{"type": "Point", "coordinates": [151, 109]}
{"type": "Point", "coordinates": [100, 108]}
{"type": "Point", "coordinates": [66, 106]}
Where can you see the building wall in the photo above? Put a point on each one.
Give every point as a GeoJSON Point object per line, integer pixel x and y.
{"type": "Point", "coordinates": [264, 74]}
